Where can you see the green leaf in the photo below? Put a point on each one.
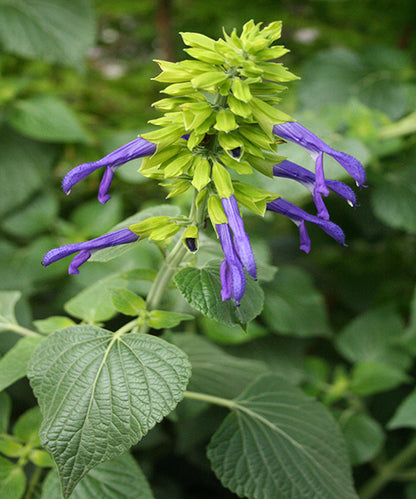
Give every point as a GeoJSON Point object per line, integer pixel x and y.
{"type": "Point", "coordinates": [95, 386]}
{"type": "Point", "coordinates": [5, 411]}
{"type": "Point", "coordinates": [8, 300]}
{"type": "Point", "coordinates": [119, 478]}
{"type": "Point", "coordinates": [53, 323]}
{"type": "Point", "coordinates": [92, 221]}
{"type": "Point", "coordinates": [277, 442]}
{"type": "Point", "coordinates": [48, 119]}
{"type": "Point", "coordinates": [364, 437]}
{"type": "Point", "coordinates": [25, 167]}
{"type": "Point", "coordinates": [394, 200]}
{"type": "Point", "coordinates": [62, 34]}
{"type": "Point", "coordinates": [14, 364]}
{"type": "Point", "coordinates": [127, 303]}
{"type": "Point", "coordinates": [110, 253]}
{"type": "Point", "coordinates": [41, 458]}
{"type": "Point", "coordinates": [294, 306]}
{"type": "Point", "coordinates": [27, 427]}
{"type": "Point", "coordinates": [94, 303]}
{"type": "Point", "coordinates": [12, 480]}
{"type": "Point", "coordinates": [373, 336]}
{"type": "Point", "coordinates": [36, 217]}
{"type": "Point", "coordinates": [201, 288]}
{"type": "Point", "coordinates": [214, 371]}
{"type": "Point", "coordinates": [231, 335]}
{"type": "Point", "coordinates": [370, 377]}
{"type": "Point", "coordinates": [405, 415]}
{"type": "Point", "coordinates": [159, 319]}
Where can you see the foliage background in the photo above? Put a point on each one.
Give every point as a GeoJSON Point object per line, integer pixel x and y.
{"type": "Point", "coordinates": [341, 322]}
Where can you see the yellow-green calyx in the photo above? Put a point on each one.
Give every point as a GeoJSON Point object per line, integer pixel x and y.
{"type": "Point", "coordinates": [219, 114]}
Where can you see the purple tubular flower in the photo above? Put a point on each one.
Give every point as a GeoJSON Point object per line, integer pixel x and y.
{"type": "Point", "coordinates": [295, 132]}
{"type": "Point", "coordinates": [137, 148]}
{"type": "Point", "coordinates": [241, 239]}
{"type": "Point", "coordinates": [299, 217]}
{"type": "Point", "coordinates": [287, 169]}
{"type": "Point", "coordinates": [85, 249]}
{"type": "Point", "coordinates": [233, 279]}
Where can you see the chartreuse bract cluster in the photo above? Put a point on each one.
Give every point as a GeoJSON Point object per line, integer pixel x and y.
{"type": "Point", "coordinates": [220, 122]}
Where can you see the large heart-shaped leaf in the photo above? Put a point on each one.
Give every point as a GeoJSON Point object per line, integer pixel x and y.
{"type": "Point", "coordinates": [119, 478]}
{"type": "Point", "coordinates": [278, 442]}
{"type": "Point", "coordinates": [100, 392]}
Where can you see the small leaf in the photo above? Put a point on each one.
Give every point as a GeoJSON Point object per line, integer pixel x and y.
{"type": "Point", "coordinates": [27, 427]}
{"type": "Point", "coordinates": [231, 335]}
{"type": "Point", "coordinates": [364, 437]}
{"type": "Point", "coordinates": [405, 415]}
{"type": "Point", "coordinates": [100, 482]}
{"type": "Point", "coordinates": [294, 306]}
{"type": "Point", "coordinates": [277, 442]}
{"type": "Point", "coordinates": [127, 303]}
{"type": "Point", "coordinates": [95, 386]}
{"type": "Point", "coordinates": [94, 303]}
{"type": "Point", "coordinates": [8, 300]}
{"type": "Point", "coordinates": [41, 458]}
{"type": "Point", "coordinates": [15, 362]}
{"type": "Point", "coordinates": [201, 288]}
{"type": "Point", "coordinates": [34, 159]}
{"type": "Point", "coordinates": [48, 119]}
{"type": "Point", "coordinates": [53, 323]}
{"type": "Point", "coordinates": [368, 378]}
{"type": "Point", "coordinates": [159, 319]}
{"type": "Point", "coordinates": [31, 28]}
{"type": "Point", "coordinates": [373, 336]}
{"type": "Point", "coordinates": [12, 480]}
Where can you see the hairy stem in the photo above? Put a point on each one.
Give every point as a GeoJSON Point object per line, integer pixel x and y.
{"type": "Point", "coordinates": [388, 472]}
{"type": "Point", "coordinates": [21, 330]}
{"type": "Point", "coordinates": [203, 397]}
{"type": "Point", "coordinates": [170, 266]}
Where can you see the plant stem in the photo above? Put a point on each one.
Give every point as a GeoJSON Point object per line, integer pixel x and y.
{"type": "Point", "coordinates": [170, 266]}
{"type": "Point", "coordinates": [388, 471]}
{"type": "Point", "coordinates": [203, 397]}
{"type": "Point", "coordinates": [21, 330]}
{"type": "Point", "coordinates": [33, 482]}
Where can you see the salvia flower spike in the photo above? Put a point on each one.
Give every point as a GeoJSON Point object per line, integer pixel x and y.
{"type": "Point", "coordinates": [220, 115]}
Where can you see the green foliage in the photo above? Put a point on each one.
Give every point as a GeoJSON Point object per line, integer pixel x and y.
{"type": "Point", "coordinates": [364, 437]}
{"type": "Point", "coordinates": [14, 364]}
{"type": "Point", "coordinates": [118, 478]}
{"type": "Point", "coordinates": [32, 29]}
{"type": "Point", "coordinates": [201, 288]}
{"type": "Point", "coordinates": [12, 479]}
{"type": "Point", "coordinates": [291, 445]}
{"type": "Point", "coordinates": [98, 372]}
{"type": "Point", "coordinates": [293, 306]}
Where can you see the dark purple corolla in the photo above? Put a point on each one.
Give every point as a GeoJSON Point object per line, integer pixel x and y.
{"type": "Point", "coordinates": [137, 148]}
{"type": "Point", "coordinates": [233, 279]}
{"type": "Point", "coordinates": [297, 133]}
{"type": "Point", "coordinates": [299, 217]}
{"type": "Point", "coordinates": [87, 248]}
{"type": "Point", "coordinates": [241, 239]}
{"type": "Point", "coordinates": [287, 169]}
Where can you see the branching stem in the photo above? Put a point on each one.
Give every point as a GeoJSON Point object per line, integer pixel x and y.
{"type": "Point", "coordinates": [388, 471]}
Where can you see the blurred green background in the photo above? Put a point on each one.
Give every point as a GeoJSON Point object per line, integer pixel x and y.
{"type": "Point", "coordinates": [76, 83]}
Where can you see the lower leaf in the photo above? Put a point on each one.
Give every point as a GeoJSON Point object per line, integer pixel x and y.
{"type": "Point", "coordinates": [278, 442]}
{"type": "Point", "coordinates": [100, 393]}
